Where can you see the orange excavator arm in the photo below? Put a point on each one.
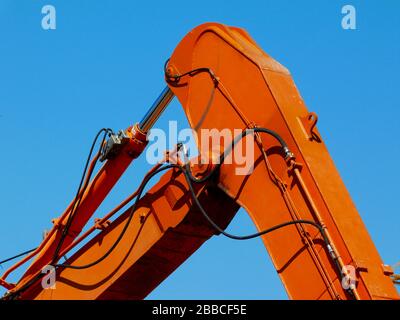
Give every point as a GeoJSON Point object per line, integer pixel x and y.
{"type": "Point", "coordinates": [165, 229]}
{"type": "Point", "coordinates": [293, 192]}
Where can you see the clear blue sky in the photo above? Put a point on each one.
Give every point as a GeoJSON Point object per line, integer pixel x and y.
{"type": "Point", "coordinates": [102, 66]}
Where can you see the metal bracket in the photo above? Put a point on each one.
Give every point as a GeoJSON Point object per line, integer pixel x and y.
{"type": "Point", "coordinates": [387, 270]}
{"type": "Point", "coordinates": [308, 124]}
{"type": "Point", "coordinates": [113, 145]}
{"type": "Point", "coordinates": [5, 284]}
{"type": "Point", "coordinates": [99, 224]}
{"type": "Point", "coordinates": [361, 266]}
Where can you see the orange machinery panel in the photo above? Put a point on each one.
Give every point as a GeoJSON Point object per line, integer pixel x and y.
{"type": "Point", "coordinates": [252, 88]}
{"type": "Point", "coordinates": [239, 86]}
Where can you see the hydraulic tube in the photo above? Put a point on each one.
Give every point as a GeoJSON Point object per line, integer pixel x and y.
{"type": "Point", "coordinates": [156, 110]}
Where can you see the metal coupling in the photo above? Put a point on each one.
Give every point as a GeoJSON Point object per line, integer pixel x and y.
{"type": "Point", "coordinates": [113, 145]}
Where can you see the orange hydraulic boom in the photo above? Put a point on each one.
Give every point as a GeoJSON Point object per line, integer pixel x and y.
{"type": "Point", "coordinates": [295, 196]}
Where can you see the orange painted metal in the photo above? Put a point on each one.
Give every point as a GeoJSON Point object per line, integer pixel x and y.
{"type": "Point", "coordinates": [311, 188]}
{"type": "Point", "coordinates": [243, 87]}
{"type": "Point", "coordinates": [49, 235]}
{"type": "Point", "coordinates": [165, 230]}
{"type": "Point", "coordinates": [97, 190]}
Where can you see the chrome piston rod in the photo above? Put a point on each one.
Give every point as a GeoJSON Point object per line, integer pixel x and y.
{"type": "Point", "coordinates": [156, 109]}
